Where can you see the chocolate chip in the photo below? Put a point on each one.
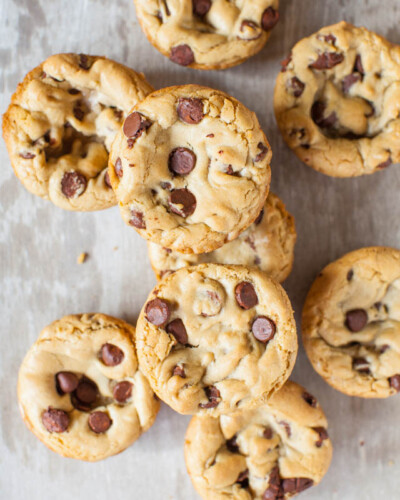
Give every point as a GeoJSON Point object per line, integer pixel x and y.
{"type": "Point", "coordinates": [122, 391]}
{"type": "Point", "coordinates": [327, 60]}
{"type": "Point", "coordinates": [296, 484]}
{"type": "Point", "coordinates": [213, 395]}
{"type": "Point", "coordinates": [157, 312]}
{"type": "Point", "coordinates": [73, 91]}
{"type": "Point", "coordinates": [263, 329]}
{"type": "Point", "coordinates": [350, 275]}
{"type": "Point", "coordinates": [190, 110]}
{"type": "Point", "coordinates": [99, 422]}
{"type": "Point", "coordinates": [349, 80]}
{"type": "Point", "coordinates": [361, 365]}
{"type": "Point", "coordinates": [286, 426]}
{"type": "Point", "coordinates": [385, 164]}
{"type": "Point", "coordinates": [210, 135]}
{"type": "Point", "coordinates": [134, 125]}
{"type": "Point", "coordinates": [66, 382]}
{"type": "Point", "coordinates": [178, 330]}
{"type": "Point", "coordinates": [384, 348]}
{"type": "Point", "coordinates": [55, 420]}
{"type": "Point", "coordinates": [27, 156]}
{"type": "Point", "coordinates": [243, 478]}
{"type": "Point", "coordinates": [358, 66]}
{"type": "Point", "coordinates": [232, 444]}
{"type": "Point", "coordinates": [107, 181]}
{"type": "Point", "coordinates": [330, 38]}
{"type": "Point", "coordinates": [274, 490]}
{"type": "Point", "coordinates": [182, 54]}
{"type": "Point", "coordinates": [84, 61]}
{"type": "Point", "coordinates": [179, 371]}
{"type": "Point", "coordinates": [259, 218]}
{"type": "Point", "coordinates": [356, 320]}
{"type": "Point", "coordinates": [246, 295]}
{"type": "Point", "coordinates": [323, 435]}
{"type": "Point", "coordinates": [73, 184]}
{"type": "Point", "coordinates": [268, 433]}
{"type": "Point", "coordinates": [263, 152]}
{"type": "Point", "coordinates": [166, 185]}
{"type": "Point", "coordinates": [118, 113]}
{"type": "Point", "coordinates": [201, 7]}
{"type": "Point", "coordinates": [309, 399]}
{"type": "Point", "coordinates": [297, 86]}
{"type": "Point", "coordinates": [317, 114]}
{"type": "Point", "coordinates": [394, 382]}
{"type": "Point", "coordinates": [78, 113]}
{"type": "Point", "coordinates": [181, 161]}
{"type": "Point", "coordinates": [285, 63]}
{"type": "Point", "coordinates": [269, 18]}
{"type": "Point", "coordinates": [118, 168]}
{"type": "Point", "coordinates": [111, 355]}
{"type": "Point", "coordinates": [86, 394]}
{"type": "Point", "coordinates": [137, 220]}
{"type": "Point", "coordinates": [182, 202]}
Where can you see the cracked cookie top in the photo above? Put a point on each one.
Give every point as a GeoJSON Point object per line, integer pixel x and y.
{"type": "Point", "coordinates": [60, 125]}
{"type": "Point", "coordinates": [269, 453]}
{"type": "Point", "coordinates": [190, 168]}
{"type": "Point", "coordinates": [337, 101]}
{"type": "Point", "coordinates": [81, 391]}
{"type": "Point", "coordinates": [267, 244]}
{"type": "Point", "coordinates": [351, 323]}
{"type": "Point", "coordinates": [214, 339]}
{"type": "Point", "coordinates": [208, 34]}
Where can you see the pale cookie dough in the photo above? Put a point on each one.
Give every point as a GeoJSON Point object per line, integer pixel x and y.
{"type": "Point", "coordinates": [351, 323]}
{"type": "Point", "coordinates": [214, 339]}
{"type": "Point", "coordinates": [60, 125]}
{"type": "Point", "coordinates": [190, 168]}
{"type": "Point", "coordinates": [208, 34]}
{"type": "Point", "coordinates": [337, 101]}
{"type": "Point", "coordinates": [80, 389]}
{"type": "Point", "coordinates": [269, 453]}
{"type": "Point", "coordinates": [267, 244]}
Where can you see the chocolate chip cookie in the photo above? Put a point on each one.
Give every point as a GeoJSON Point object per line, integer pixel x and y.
{"type": "Point", "coordinates": [267, 244]}
{"type": "Point", "coordinates": [214, 339]}
{"type": "Point", "coordinates": [269, 453]}
{"type": "Point", "coordinates": [208, 34]}
{"type": "Point", "coordinates": [61, 123]}
{"type": "Point", "coordinates": [190, 168]}
{"type": "Point", "coordinates": [80, 390]}
{"type": "Point", "coordinates": [351, 323]}
{"type": "Point", "coordinates": [337, 101]}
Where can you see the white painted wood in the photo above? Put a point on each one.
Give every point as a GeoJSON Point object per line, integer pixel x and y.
{"type": "Point", "coordinates": [41, 281]}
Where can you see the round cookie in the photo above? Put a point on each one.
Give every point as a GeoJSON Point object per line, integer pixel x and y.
{"type": "Point", "coordinates": [267, 244]}
{"type": "Point", "coordinates": [207, 34]}
{"type": "Point", "coordinates": [337, 101]}
{"type": "Point", "coordinates": [351, 323]}
{"type": "Point", "coordinates": [269, 453]}
{"type": "Point", "coordinates": [60, 125]}
{"type": "Point", "coordinates": [80, 390]}
{"type": "Point", "coordinates": [214, 339]}
{"type": "Point", "coordinates": [190, 168]}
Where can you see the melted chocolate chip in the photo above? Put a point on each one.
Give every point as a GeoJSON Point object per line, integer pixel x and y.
{"type": "Point", "coordinates": [181, 161]}
{"type": "Point", "coordinates": [78, 113]}
{"type": "Point", "coordinates": [263, 329]}
{"type": "Point", "coordinates": [317, 114]}
{"type": "Point", "coordinates": [111, 355]}
{"type": "Point", "coordinates": [269, 18]}
{"type": "Point", "coordinates": [179, 371]}
{"type": "Point", "coordinates": [182, 202]}
{"type": "Point", "coordinates": [190, 110]}
{"type": "Point", "coordinates": [274, 490]}
{"type": "Point", "coordinates": [73, 184]}
{"type": "Point", "coordinates": [122, 391]}
{"type": "Point", "coordinates": [361, 365]}
{"type": "Point", "coordinates": [263, 152]}
{"type": "Point", "coordinates": [232, 444]}
{"type": "Point", "coordinates": [350, 275]}
{"type": "Point", "coordinates": [134, 125]}
{"type": "Point", "coordinates": [201, 7]}
{"type": "Point", "coordinates": [358, 66]}
{"type": "Point", "coordinates": [323, 435]}
{"type": "Point", "coordinates": [246, 295]}
{"type": "Point", "coordinates": [394, 382]}
{"type": "Point", "coordinates": [297, 86]}
{"type": "Point", "coordinates": [107, 181]}
{"type": "Point", "coordinates": [99, 422]}
{"type": "Point", "coordinates": [84, 62]}
{"type": "Point", "coordinates": [214, 397]}
{"type": "Point", "coordinates": [118, 168]}
{"type": "Point", "coordinates": [27, 156]}
{"type": "Point", "coordinates": [356, 320]}
{"type": "Point", "coordinates": [157, 312]}
{"type": "Point", "coordinates": [178, 330]}
{"type": "Point", "coordinates": [285, 63]}
{"type": "Point", "coordinates": [309, 399]}
{"type": "Point", "coordinates": [349, 80]}
{"type": "Point", "coordinates": [66, 382]}
{"type": "Point", "coordinates": [55, 420]}
{"type": "Point", "coordinates": [296, 484]}
{"type": "Point", "coordinates": [287, 428]}
{"type": "Point", "coordinates": [182, 54]}
{"type": "Point", "coordinates": [243, 478]}
{"type": "Point", "coordinates": [73, 91]}
{"type": "Point", "coordinates": [137, 220]}
{"type": "Point", "coordinates": [385, 164]}
{"type": "Point", "coordinates": [268, 433]}
{"type": "Point", "coordinates": [327, 60]}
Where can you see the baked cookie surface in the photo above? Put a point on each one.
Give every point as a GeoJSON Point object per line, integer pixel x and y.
{"type": "Point", "coordinates": [351, 323]}
{"type": "Point", "coordinates": [267, 244]}
{"type": "Point", "coordinates": [213, 339]}
{"type": "Point", "coordinates": [207, 34]}
{"type": "Point", "coordinates": [190, 168]}
{"type": "Point", "coordinates": [269, 453]}
{"type": "Point", "coordinates": [337, 101]}
{"type": "Point", "coordinates": [60, 125]}
{"type": "Point", "coordinates": [80, 390]}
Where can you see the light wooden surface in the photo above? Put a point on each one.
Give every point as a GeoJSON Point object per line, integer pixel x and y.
{"type": "Point", "coordinates": [41, 280]}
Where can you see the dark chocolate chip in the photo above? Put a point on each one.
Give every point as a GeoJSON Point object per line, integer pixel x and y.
{"type": "Point", "coordinates": [118, 168]}
{"type": "Point", "coordinates": [66, 382]}
{"type": "Point", "coordinates": [317, 114]}
{"type": "Point", "coordinates": [323, 435]}
{"type": "Point", "coordinates": [55, 420]}
{"type": "Point", "coordinates": [232, 444]}
{"type": "Point", "coordinates": [246, 295]}
{"type": "Point", "coordinates": [79, 113]}
{"type": "Point", "coordinates": [166, 185]}
{"type": "Point", "coordinates": [260, 217]}
{"type": "Point", "coordinates": [297, 86]}
{"type": "Point", "coordinates": [213, 395]}
{"type": "Point", "coordinates": [356, 320]}
{"type": "Point", "coordinates": [274, 490]}
{"type": "Point", "coordinates": [182, 54]}
{"type": "Point", "coordinates": [309, 399]}
{"type": "Point", "coordinates": [73, 184]}
{"type": "Point", "coordinates": [179, 371]}
{"type": "Point", "coordinates": [263, 152]}
{"type": "Point", "coordinates": [269, 18]}
{"type": "Point", "coordinates": [73, 91]}
{"type": "Point", "coordinates": [182, 202]}
{"type": "Point", "coordinates": [181, 161]}
{"type": "Point", "coordinates": [349, 80]}
{"type": "Point", "coordinates": [361, 365]}
{"type": "Point", "coordinates": [330, 38]}
{"type": "Point", "coordinates": [394, 382]}
{"type": "Point", "coordinates": [296, 484]}
{"type": "Point", "coordinates": [350, 275]}
{"type": "Point", "coordinates": [178, 330]}
{"type": "Point", "coordinates": [190, 110]}
{"type": "Point", "coordinates": [111, 355]}
{"type": "Point", "coordinates": [86, 393]}
{"type": "Point", "coordinates": [201, 7]}
{"type": "Point", "coordinates": [268, 433]}
{"type": "Point", "coordinates": [134, 125]}
{"type": "Point", "coordinates": [157, 312]}
{"type": "Point", "coordinates": [99, 422]}
{"type": "Point", "coordinates": [327, 60]}
{"type": "Point", "coordinates": [107, 181]}
{"type": "Point", "coordinates": [263, 329]}
{"type": "Point", "coordinates": [243, 478]}
{"type": "Point", "coordinates": [84, 61]}
{"type": "Point", "coordinates": [137, 220]}
{"type": "Point", "coordinates": [358, 66]}
{"type": "Point", "coordinates": [122, 391]}
{"type": "Point", "coordinates": [27, 156]}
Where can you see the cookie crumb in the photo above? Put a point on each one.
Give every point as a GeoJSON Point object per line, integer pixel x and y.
{"type": "Point", "coordinates": [82, 258]}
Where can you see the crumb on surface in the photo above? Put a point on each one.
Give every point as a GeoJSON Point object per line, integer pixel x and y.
{"type": "Point", "coordinates": [82, 258]}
